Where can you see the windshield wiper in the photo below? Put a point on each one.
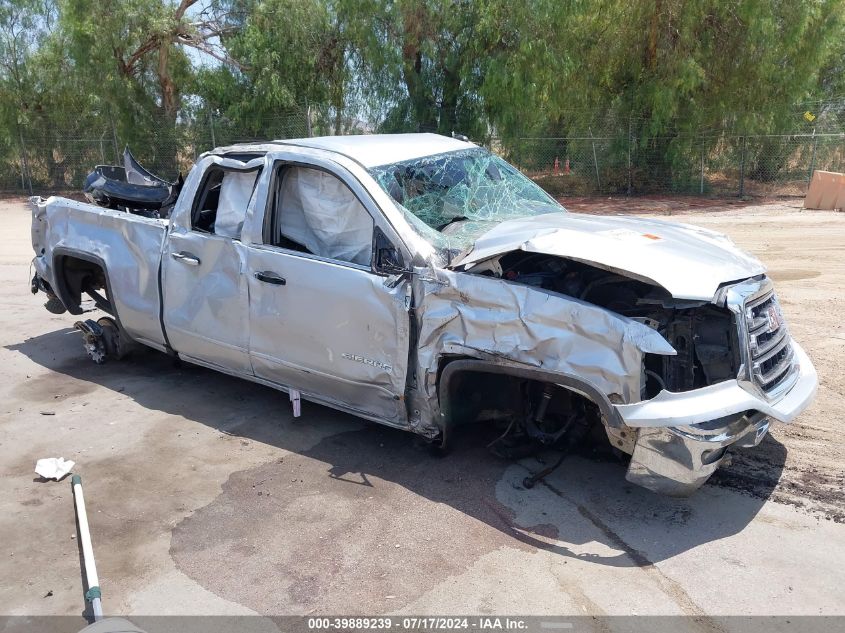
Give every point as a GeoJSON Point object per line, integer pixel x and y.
{"type": "Point", "coordinates": [457, 218]}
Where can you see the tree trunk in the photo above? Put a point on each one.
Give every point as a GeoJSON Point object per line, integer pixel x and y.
{"type": "Point", "coordinates": [338, 109]}
{"type": "Point", "coordinates": [449, 105]}
{"type": "Point", "coordinates": [169, 97]}
{"type": "Point", "coordinates": [422, 104]}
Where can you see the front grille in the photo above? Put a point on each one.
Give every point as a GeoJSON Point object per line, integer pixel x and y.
{"type": "Point", "coordinates": [769, 348]}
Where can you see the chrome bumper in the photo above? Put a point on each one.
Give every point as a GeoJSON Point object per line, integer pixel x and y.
{"type": "Point", "coordinates": [677, 459]}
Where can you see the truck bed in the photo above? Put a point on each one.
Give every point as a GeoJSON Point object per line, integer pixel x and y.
{"type": "Point", "coordinates": [70, 236]}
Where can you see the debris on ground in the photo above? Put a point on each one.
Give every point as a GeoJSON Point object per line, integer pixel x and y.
{"type": "Point", "coordinates": [53, 467]}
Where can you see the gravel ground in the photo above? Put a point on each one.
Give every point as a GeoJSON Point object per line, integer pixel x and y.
{"type": "Point", "coordinates": [205, 496]}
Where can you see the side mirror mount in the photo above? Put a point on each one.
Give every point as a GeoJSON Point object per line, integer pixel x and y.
{"type": "Point", "coordinates": [388, 259]}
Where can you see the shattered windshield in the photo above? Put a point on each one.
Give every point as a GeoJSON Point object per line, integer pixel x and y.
{"type": "Point", "coordinates": [452, 198]}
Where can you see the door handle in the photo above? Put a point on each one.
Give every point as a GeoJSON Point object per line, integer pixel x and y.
{"type": "Point", "coordinates": [270, 277]}
{"type": "Point", "coordinates": [186, 258]}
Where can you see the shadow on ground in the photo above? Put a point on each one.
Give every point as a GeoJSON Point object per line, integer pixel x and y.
{"type": "Point", "coordinates": [372, 500]}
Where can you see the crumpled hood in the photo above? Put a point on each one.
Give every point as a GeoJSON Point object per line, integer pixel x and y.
{"type": "Point", "coordinates": [688, 261]}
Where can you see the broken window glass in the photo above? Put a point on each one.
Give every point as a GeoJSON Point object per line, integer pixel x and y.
{"type": "Point", "coordinates": [452, 198]}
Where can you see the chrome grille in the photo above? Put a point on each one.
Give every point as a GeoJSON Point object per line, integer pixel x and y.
{"type": "Point", "coordinates": [769, 349]}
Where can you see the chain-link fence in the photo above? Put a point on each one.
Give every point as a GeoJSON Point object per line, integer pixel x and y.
{"type": "Point", "coordinates": [47, 158]}
{"type": "Point", "coordinates": [727, 165]}
{"type": "Point", "coordinates": [56, 157]}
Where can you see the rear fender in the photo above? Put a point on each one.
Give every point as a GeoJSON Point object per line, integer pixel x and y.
{"type": "Point", "coordinates": [70, 296]}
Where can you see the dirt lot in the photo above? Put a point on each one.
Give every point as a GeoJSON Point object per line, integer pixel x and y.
{"type": "Point", "coordinates": [205, 496]}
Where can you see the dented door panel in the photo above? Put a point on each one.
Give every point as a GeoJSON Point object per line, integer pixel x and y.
{"type": "Point", "coordinates": [206, 295]}
{"type": "Point", "coordinates": [330, 329]}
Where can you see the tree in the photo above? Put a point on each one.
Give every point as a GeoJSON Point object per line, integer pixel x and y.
{"type": "Point", "coordinates": [41, 106]}
{"type": "Point", "coordinates": [419, 63]}
{"type": "Point", "coordinates": [291, 53]}
{"type": "Point", "coordinates": [135, 44]}
{"type": "Point", "coordinates": [665, 70]}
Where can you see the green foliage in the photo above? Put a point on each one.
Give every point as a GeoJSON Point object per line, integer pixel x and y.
{"type": "Point", "coordinates": [656, 71]}
{"type": "Point", "coordinates": [290, 52]}
{"type": "Point", "coordinates": [420, 62]}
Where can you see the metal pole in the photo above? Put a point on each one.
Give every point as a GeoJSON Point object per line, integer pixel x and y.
{"type": "Point", "coordinates": [630, 141]}
{"type": "Point", "coordinates": [701, 186]}
{"type": "Point", "coordinates": [93, 593]}
{"type": "Point", "coordinates": [211, 127]}
{"type": "Point", "coordinates": [813, 158]}
{"type": "Point", "coordinates": [308, 131]}
{"type": "Point", "coordinates": [742, 169]}
{"type": "Point", "coordinates": [595, 159]}
{"type": "Point", "coordinates": [24, 161]}
{"type": "Point", "coordinates": [114, 140]}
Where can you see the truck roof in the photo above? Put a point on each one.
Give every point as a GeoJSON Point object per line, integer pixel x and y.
{"type": "Point", "coordinates": [372, 150]}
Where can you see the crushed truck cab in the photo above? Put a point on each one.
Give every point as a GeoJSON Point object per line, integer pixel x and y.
{"type": "Point", "coordinates": [424, 283]}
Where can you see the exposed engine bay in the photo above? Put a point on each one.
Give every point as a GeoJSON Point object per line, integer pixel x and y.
{"type": "Point", "coordinates": [703, 334]}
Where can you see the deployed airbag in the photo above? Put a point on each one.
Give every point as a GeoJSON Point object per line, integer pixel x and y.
{"type": "Point", "coordinates": [235, 192]}
{"type": "Point", "coordinates": [320, 212]}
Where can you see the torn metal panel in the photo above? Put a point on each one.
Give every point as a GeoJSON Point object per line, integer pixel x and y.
{"type": "Point", "coordinates": [689, 262]}
{"type": "Point", "coordinates": [723, 399]}
{"type": "Point", "coordinates": [471, 315]}
{"type": "Point", "coordinates": [677, 461]}
{"type": "Point", "coordinates": [131, 188]}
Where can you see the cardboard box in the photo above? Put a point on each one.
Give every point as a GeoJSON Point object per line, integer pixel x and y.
{"type": "Point", "coordinates": [826, 191]}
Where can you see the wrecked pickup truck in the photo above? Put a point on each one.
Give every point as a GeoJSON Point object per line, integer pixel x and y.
{"type": "Point", "coordinates": [422, 282]}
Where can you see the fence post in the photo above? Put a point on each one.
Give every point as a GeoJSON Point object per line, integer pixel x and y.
{"type": "Point", "coordinates": [742, 168]}
{"type": "Point", "coordinates": [630, 141]}
{"type": "Point", "coordinates": [117, 160]}
{"type": "Point", "coordinates": [308, 130]}
{"type": "Point", "coordinates": [701, 185]}
{"type": "Point", "coordinates": [595, 161]}
{"type": "Point", "coordinates": [211, 127]}
{"type": "Point", "coordinates": [813, 158]}
{"type": "Point", "coordinates": [24, 163]}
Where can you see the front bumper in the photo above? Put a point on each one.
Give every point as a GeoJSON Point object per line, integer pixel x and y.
{"type": "Point", "coordinates": [677, 459]}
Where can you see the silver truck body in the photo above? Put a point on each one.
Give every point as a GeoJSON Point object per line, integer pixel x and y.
{"type": "Point", "coordinates": [386, 342]}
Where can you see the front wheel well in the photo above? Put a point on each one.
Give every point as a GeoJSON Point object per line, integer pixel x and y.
{"type": "Point", "coordinates": [473, 390]}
